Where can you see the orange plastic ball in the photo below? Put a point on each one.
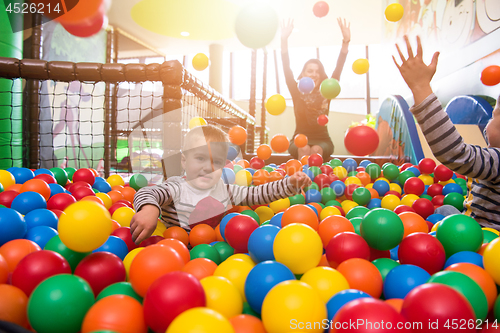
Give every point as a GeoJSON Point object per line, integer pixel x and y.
{"type": "Point", "coordinates": [115, 196]}
{"type": "Point", "coordinates": [128, 193]}
{"type": "Point", "coordinates": [202, 234]}
{"type": "Point", "coordinates": [36, 185]}
{"type": "Point", "coordinates": [333, 225]}
{"type": "Point", "coordinates": [260, 177]}
{"type": "Point", "coordinates": [243, 163]}
{"type": "Point", "coordinates": [304, 159]}
{"type": "Point", "coordinates": [396, 303]}
{"type": "Point", "coordinates": [245, 323]}
{"type": "Point", "coordinates": [13, 304]}
{"type": "Point", "coordinates": [292, 166]}
{"type": "Point", "coordinates": [264, 152]}
{"type": "Point", "coordinates": [374, 193]}
{"type": "Point", "coordinates": [280, 143]}
{"type": "Point", "coordinates": [94, 199]}
{"type": "Point", "coordinates": [300, 140]}
{"type": "Point", "coordinates": [15, 188]}
{"type": "Point", "coordinates": [177, 233]}
{"type": "Point", "coordinates": [4, 270]}
{"type": "Point", "coordinates": [218, 234]}
{"type": "Point", "coordinates": [315, 205]}
{"type": "Point", "coordinates": [274, 176]}
{"type": "Point", "coordinates": [120, 313]}
{"type": "Point", "coordinates": [324, 261]}
{"type": "Point", "coordinates": [413, 222]}
{"type": "Point", "coordinates": [118, 188]}
{"type": "Point", "coordinates": [15, 250]}
{"type": "Point", "coordinates": [200, 268]}
{"type": "Point", "coordinates": [178, 246]}
{"type": "Point", "coordinates": [362, 275]}
{"type": "Point", "coordinates": [300, 214]}
{"type": "Point", "coordinates": [364, 177]}
{"type": "Point", "coordinates": [115, 225]}
{"type": "Point", "coordinates": [237, 135]}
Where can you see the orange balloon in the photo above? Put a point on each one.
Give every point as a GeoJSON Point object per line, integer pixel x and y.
{"type": "Point", "coordinates": [14, 187]}
{"type": "Point", "coordinates": [15, 250]}
{"type": "Point", "coordinates": [300, 140]}
{"type": "Point", "coordinates": [245, 323]}
{"type": "Point", "coordinates": [4, 270]}
{"type": "Point", "coordinates": [413, 222]}
{"type": "Point", "coordinates": [13, 304]}
{"type": "Point", "coordinates": [177, 233]}
{"type": "Point", "coordinates": [300, 214]}
{"type": "Point", "coordinates": [120, 313]}
{"type": "Point", "coordinates": [280, 143]}
{"type": "Point", "coordinates": [218, 234]}
{"type": "Point", "coordinates": [264, 152]}
{"type": "Point", "coordinates": [200, 268]}
{"type": "Point", "coordinates": [38, 186]}
{"type": "Point", "coordinates": [364, 177]}
{"type": "Point", "coordinates": [244, 163]}
{"type": "Point", "coordinates": [260, 177]}
{"type": "Point", "coordinates": [150, 263]}
{"type": "Point", "coordinates": [324, 261]}
{"type": "Point", "coordinates": [115, 196]}
{"type": "Point", "coordinates": [128, 193]}
{"type": "Point", "coordinates": [304, 159]}
{"type": "Point", "coordinates": [480, 276]}
{"type": "Point", "coordinates": [362, 275]}
{"type": "Point", "coordinates": [396, 303]}
{"type": "Point", "coordinates": [82, 11]}
{"type": "Point", "coordinates": [178, 246]}
{"type": "Point", "coordinates": [292, 166]}
{"type": "Point", "coordinates": [333, 225]}
{"type": "Point", "coordinates": [237, 135]}
{"type": "Point", "coordinates": [202, 234]}
{"type": "Point", "coordinates": [274, 176]}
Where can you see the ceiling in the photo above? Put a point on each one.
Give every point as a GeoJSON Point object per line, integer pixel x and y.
{"type": "Point", "coordinates": [158, 23]}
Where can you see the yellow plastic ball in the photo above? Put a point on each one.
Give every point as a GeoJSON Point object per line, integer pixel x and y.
{"type": "Point", "coordinates": [222, 296]}
{"type": "Point", "coordinates": [236, 271]}
{"type": "Point", "coordinates": [6, 178]}
{"type": "Point", "coordinates": [360, 66]}
{"type": "Point", "coordinates": [328, 211]}
{"type": "Point", "coordinates": [326, 281]}
{"type": "Point", "coordinates": [353, 180]}
{"type": "Point", "coordinates": [496, 232]}
{"type": "Point", "coordinates": [490, 259]}
{"type": "Point", "coordinates": [435, 226]}
{"type": "Point", "coordinates": [299, 247]}
{"type": "Point", "coordinates": [449, 181]}
{"type": "Point", "coordinates": [276, 105]}
{"type": "Point", "coordinates": [243, 178]}
{"type": "Point", "coordinates": [340, 172]}
{"type": "Point", "coordinates": [114, 180]}
{"type": "Point", "coordinates": [409, 199]}
{"type": "Point", "coordinates": [241, 256]}
{"type": "Point", "coordinates": [84, 226]}
{"type": "Point", "coordinates": [160, 229]}
{"type": "Point", "coordinates": [292, 302]}
{"type": "Point", "coordinates": [347, 205]}
{"type": "Point", "coordinates": [394, 12]}
{"type": "Point", "coordinates": [123, 216]}
{"type": "Point", "coordinates": [369, 185]}
{"type": "Point", "coordinates": [105, 199]}
{"type": "Point", "coordinates": [200, 61]}
{"type": "Point", "coordinates": [279, 205]}
{"type": "Point", "coordinates": [395, 187]}
{"type": "Point", "coordinates": [265, 213]}
{"type": "Point", "coordinates": [127, 261]}
{"type": "Point", "coordinates": [196, 121]}
{"type": "Point", "coordinates": [390, 202]}
{"type": "Point", "coordinates": [200, 320]}
{"type": "Point", "coordinates": [384, 179]}
{"type": "Point", "coordinates": [427, 179]}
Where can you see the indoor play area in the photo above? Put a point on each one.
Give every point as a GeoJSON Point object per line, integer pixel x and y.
{"type": "Point", "coordinates": [391, 231]}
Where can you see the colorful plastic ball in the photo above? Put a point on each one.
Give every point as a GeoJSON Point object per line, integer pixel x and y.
{"type": "Point", "coordinates": [442, 173]}
{"type": "Point", "coordinates": [276, 105]}
{"type": "Point", "coordinates": [228, 176]}
{"type": "Point", "coordinates": [62, 291]}
{"type": "Point", "coordinates": [200, 267]}
{"type": "Point", "coordinates": [361, 140]}
{"type": "Point", "coordinates": [329, 88]}
{"type": "Point", "coordinates": [84, 175]}
{"type": "Point", "coordinates": [382, 229]}
{"type": "Point", "coordinates": [465, 257]}
{"type": "Point", "coordinates": [15, 250]}
{"type": "Point", "coordinates": [280, 143]}
{"type": "Point", "coordinates": [243, 178]}
{"type": "Point", "coordinates": [451, 188]}
{"type": "Point", "coordinates": [119, 288]}
{"type": "Point", "coordinates": [459, 233]}
{"type": "Point", "coordinates": [394, 12]}
{"type": "Point", "coordinates": [22, 175]}
{"type": "Point", "coordinates": [322, 120]}
{"type": "Point", "coordinates": [342, 298]}
{"type": "Point", "coordinates": [202, 234]}
{"type": "Point", "coordinates": [305, 85]}
{"type": "Point", "coordinates": [381, 186]}
{"type": "Point", "coordinates": [361, 196]}
{"type": "Point", "coordinates": [205, 251]}
{"type": "Point", "coordinates": [200, 319]}
{"type": "Point", "coordinates": [414, 185]}
{"type": "Point", "coordinates": [402, 279]}
{"type": "Point", "coordinates": [236, 270]}
{"type": "Point", "coordinates": [362, 275]}
{"type": "Point", "coordinates": [426, 165]}
{"type": "Point", "coordinates": [102, 186]}
{"type": "Point", "coordinates": [222, 296]}
{"type": "Point", "coordinates": [437, 303]}
{"type": "Point", "coordinates": [374, 203]}
{"type": "Point", "coordinates": [320, 9]}
{"type": "Point", "coordinates": [412, 223]}
{"type": "Point", "coordinates": [138, 181]}
{"type": "Point", "coordinates": [114, 180]}
{"type": "Point", "coordinates": [12, 224]}
{"type": "Point", "coordinates": [326, 281]}
{"type": "Point", "coordinates": [85, 226]}
{"type": "Point", "coordinates": [260, 243]}
{"type": "Point", "coordinates": [13, 304]}
{"type": "Point", "coordinates": [360, 66]}
{"type": "Point", "coordinates": [4, 270]}
{"type": "Point", "coordinates": [238, 230]}
{"type": "Point", "coordinates": [300, 214]}
{"type": "Point", "coordinates": [28, 201]}
{"type": "Point", "coordinates": [490, 76]}
{"type": "Point", "coordinates": [423, 207]}
{"type": "Point", "coordinates": [490, 259]}
{"type": "Point", "coordinates": [199, 62]}
{"type": "Point", "coordinates": [390, 202]}
{"type": "Point", "coordinates": [60, 201]}
{"type": "Point", "coordinates": [125, 235]}
{"type": "Point", "coordinates": [346, 245]}
{"type": "Point", "coordinates": [40, 235]}
{"type": "Point", "coordinates": [246, 323]}
{"type": "Point", "coordinates": [385, 265]}
{"type": "Point", "coordinates": [6, 197]}
{"type": "Point", "coordinates": [123, 216]}
{"type": "Point", "coordinates": [454, 199]}
{"type": "Point", "coordinates": [6, 178]}
{"type": "Point", "coordinates": [422, 250]}
{"type": "Point", "coordinates": [256, 25]}
{"type": "Point", "coordinates": [38, 186]}
{"type": "Point", "coordinates": [237, 135]}
{"type": "Point", "coordinates": [114, 245]}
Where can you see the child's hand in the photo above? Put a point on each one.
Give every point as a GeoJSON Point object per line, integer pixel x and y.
{"type": "Point", "coordinates": [300, 179]}
{"type": "Point", "coordinates": [143, 223]}
{"type": "Point", "coordinates": [286, 29]}
{"type": "Point", "coordinates": [345, 28]}
{"type": "Point", "coordinates": [415, 72]}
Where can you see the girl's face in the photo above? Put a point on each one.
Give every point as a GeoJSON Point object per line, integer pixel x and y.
{"type": "Point", "coordinates": [312, 71]}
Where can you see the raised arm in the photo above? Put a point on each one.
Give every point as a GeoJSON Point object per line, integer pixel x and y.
{"type": "Point", "coordinates": [286, 31]}
{"type": "Point", "coordinates": [345, 28]}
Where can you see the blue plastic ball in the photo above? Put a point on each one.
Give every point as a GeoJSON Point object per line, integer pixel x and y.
{"type": "Point", "coordinates": [102, 186]}
{"type": "Point", "coordinates": [115, 245]}
{"type": "Point", "coordinates": [12, 225]}
{"type": "Point", "coordinates": [382, 187]}
{"type": "Point", "coordinates": [43, 171]}
{"type": "Point", "coordinates": [341, 298]}
{"type": "Point", "coordinates": [465, 256]}
{"type": "Point", "coordinates": [262, 278]}
{"type": "Point", "coordinates": [350, 164]}
{"type": "Point", "coordinates": [260, 243]}
{"type": "Point", "coordinates": [41, 234]}
{"type": "Point", "coordinates": [27, 201]}
{"type": "Point", "coordinates": [22, 175]}
{"type": "Point", "coordinates": [276, 219]}
{"type": "Point", "coordinates": [452, 187]}
{"type": "Point", "coordinates": [433, 218]}
{"type": "Point", "coordinates": [313, 195]}
{"type": "Point", "coordinates": [56, 189]}
{"type": "Point", "coordinates": [338, 187]}
{"type": "Point", "coordinates": [415, 171]}
{"type": "Point", "coordinates": [394, 253]}
{"type": "Point", "coordinates": [364, 163]}
{"type": "Point", "coordinates": [402, 279]}
{"type": "Point", "coordinates": [251, 170]}
{"type": "Point", "coordinates": [228, 176]}
{"type": "Point", "coordinates": [306, 85]}
{"type": "Point", "coordinates": [309, 173]}
{"type": "Point", "coordinates": [374, 203]}
{"type": "Point", "coordinates": [223, 223]}
{"type": "Point", "coordinates": [314, 209]}
{"type": "Point", "coordinates": [41, 217]}
{"type": "Point", "coordinates": [99, 179]}
{"type": "Point", "coordinates": [232, 152]}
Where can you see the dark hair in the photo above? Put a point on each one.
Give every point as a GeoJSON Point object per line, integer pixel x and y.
{"type": "Point", "coordinates": [322, 72]}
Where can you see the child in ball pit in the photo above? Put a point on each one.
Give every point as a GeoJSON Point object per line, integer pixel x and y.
{"type": "Point", "coordinates": [201, 195]}
{"type": "Point", "coordinates": [480, 165]}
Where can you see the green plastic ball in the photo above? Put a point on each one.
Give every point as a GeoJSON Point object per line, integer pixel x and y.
{"type": "Point", "coordinates": [454, 199]}
{"type": "Point", "coordinates": [358, 211]}
{"type": "Point", "coordinates": [373, 170]}
{"type": "Point", "coordinates": [390, 171]}
{"type": "Point", "coordinates": [268, 168]}
{"type": "Point", "coordinates": [459, 233]}
{"type": "Point", "coordinates": [297, 199]}
{"type": "Point", "coordinates": [315, 170]}
{"type": "Point", "coordinates": [327, 195]}
{"type": "Point", "coordinates": [384, 266]}
{"type": "Point", "coordinates": [225, 250]}
{"type": "Point", "coordinates": [72, 257]}
{"type": "Point", "coordinates": [335, 163]}
{"type": "Point", "coordinates": [461, 181]}
{"type": "Point", "coordinates": [361, 196]}
{"type": "Point", "coordinates": [403, 176]}
{"type": "Point", "coordinates": [138, 181]}
{"type": "Point", "coordinates": [313, 186]}
{"type": "Point", "coordinates": [329, 88]}
{"type": "Point", "coordinates": [352, 173]}
{"type": "Point", "coordinates": [382, 229]}
{"type": "Point", "coordinates": [251, 213]}
{"type": "Point", "coordinates": [119, 288]}
{"type": "Point", "coordinates": [205, 251]}
{"type": "Point", "coordinates": [426, 196]}
{"type": "Point", "coordinates": [237, 168]}
{"type": "Point", "coordinates": [69, 171]}
{"type": "Point", "coordinates": [488, 236]}
{"type": "Point", "coordinates": [356, 223]}
{"type": "Point", "coordinates": [61, 175]}
{"type": "Point", "coordinates": [333, 203]}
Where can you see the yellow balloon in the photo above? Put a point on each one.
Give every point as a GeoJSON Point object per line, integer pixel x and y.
{"type": "Point", "coordinates": [105, 199]}
{"type": "Point", "coordinates": [360, 66]}
{"type": "Point", "coordinates": [490, 259]}
{"type": "Point", "coordinates": [123, 216]}
{"type": "Point", "coordinates": [328, 211]}
{"type": "Point", "coordinates": [200, 320]}
{"type": "Point", "coordinates": [276, 105]}
{"type": "Point", "coordinates": [243, 178]}
{"type": "Point", "coordinates": [236, 271]}
{"type": "Point", "coordinates": [84, 226]}
{"type": "Point", "coordinates": [222, 296]}
{"type": "Point", "coordinates": [290, 304]}
{"type": "Point", "coordinates": [326, 281]}
{"type": "Point", "coordinates": [394, 12]}
{"type": "Point", "coordinates": [127, 261]}
{"type": "Point", "coordinates": [200, 61]}
{"type": "Point", "coordinates": [196, 121]}
{"type": "Point", "coordinates": [114, 180]}
{"type": "Point", "coordinates": [265, 213]}
{"type": "Point", "coordinates": [390, 202]}
{"type": "Point", "coordinates": [279, 205]}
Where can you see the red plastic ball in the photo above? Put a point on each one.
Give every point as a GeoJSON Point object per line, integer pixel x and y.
{"type": "Point", "coordinates": [152, 240]}
{"type": "Point", "coordinates": [423, 207]}
{"type": "Point", "coordinates": [427, 165]}
{"type": "Point", "coordinates": [238, 231]}
{"type": "Point", "coordinates": [396, 193]}
{"type": "Point", "coordinates": [315, 160]}
{"type": "Point", "coordinates": [349, 190]}
{"type": "Point", "coordinates": [36, 267]}
{"type": "Point", "coordinates": [169, 296]}
{"type": "Point", "coordinates": [257, 163]}
{"type": "Point", "coordinates": [60, 201]}
{"type": "Point", "coordinates": [125, 234]}
{"type": "Point", "coordinates": [438, 200]}
{"type": "Point", "coordinates": [326, 169]}
{"type": "Point", "coordinates": [322, 180]}
{"type": "Point", "coordinates": [377, 254]}
{"type": "Point", "coordinates": [84, 175]}
{"type": "Point", "coordinates": [320, 9]}
{"type": "Point", "coordinates": [442, 173]}
{"type": "Point", "coordinates": [422, 250]}
{"type": "Point", "coordinates": [346, 245]}
{"type": "Point", "coordinates": [322, 120]}
{"type": "Point", "coordinates": [46, 178]}
{"type": "Point", "coordinates": [490, 76]}
{"type": "Point", "coordinates": [82, 192]}
{"type": "Point", "coordinates": [435, 189]}
{"type": "Point", "coordinates": [101, 269]}
{"type": "Point", "coordinates": [403, 208]}
{"type": "Point", "coordinates": [7, 197]}
{"type": "Point", "coordinates": [405, 166]}
{"type": "Point", "coordinates": [414, 185]}
{"type": "Point", "coordinates": [361, 140]}
{"type": "Point", "coordinates": [115, 206]}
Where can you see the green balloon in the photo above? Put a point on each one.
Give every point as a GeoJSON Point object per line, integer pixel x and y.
{"type": "Point", "coordinates": [358, 211]}
{"type": "Point", "coordinates": [327, 195]}
{"type": "Point", "coordinates": [249, 311]}
{"type": "Point", "coordinates": [297, 199]}
{"type": "Point", "coordinates": [373, 170]}
{"type": "Point", "coordinates": [329, 88]}
{"type": "Point", "coordinates": [488, 236]}
{"type": "Point", "coordinates": [361, 196]}
{"type": "Point", "coordinates": [119, 288]}
{"type": "Point", "coordinates": [384, 266]}
{"type": "Point", "coordinates": [403, 176]}
{"type": "Point", "coordinates": [59, 304]}
{"type": "Point", "coordinates": [335, 163]}
{"type": "Point", "coordinates": [356, 223]}
{"type": "Point", "coordinates": [391, 171]}
{"type": "Point", "coordinates": [205, 251]}
{"type": "Point", "coordinates": [454, 199]}
{"type": "Point", "coordinates": [382, 229]}
{"type": "Point", "coordinates": [55, 244]}
{"type": "Point", "coordinates": [225, 250]}
{"type": "Point", "coordinates": [61, 175]}
{"type": "Point", "coordinates": [459, 233]}
{"type": "Point", "coordinates": [252, 214]}
{"type": "Point", "coordinates": [138, 181]}
{"type": "Point", "coordinates": [69, 171]}
{"type": "Point", "coordinates": [315, 170]}
{"type": "Point", "coordinates": [465, 286]}
{"type": "Point", "coordinates": [313, 186]}
{"type": "Point", "coordinates": [333, 203]}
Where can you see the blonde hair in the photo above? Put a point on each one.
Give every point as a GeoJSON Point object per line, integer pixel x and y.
{"type": "Point", "coordinates": [209, 133]}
